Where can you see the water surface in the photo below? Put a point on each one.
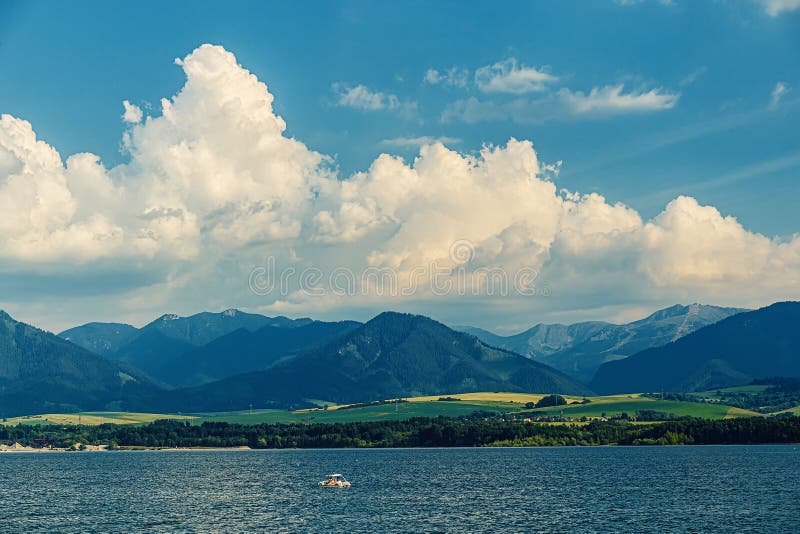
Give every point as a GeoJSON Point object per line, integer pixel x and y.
{"type": "Point", "coordinates": [564, 489]}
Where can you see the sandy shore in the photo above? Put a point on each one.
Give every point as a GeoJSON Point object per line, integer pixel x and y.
{"type": "Point", "coordinates": [16, 447]}
{"type": "Point", "coordinates": [242, 448]}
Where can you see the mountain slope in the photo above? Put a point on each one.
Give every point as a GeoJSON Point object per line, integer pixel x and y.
{"type": "Point", "coordinates": [150, 350]}
{"type": "Point", "coordinates": [204, 327]}
{"type": "Point", "coordinates": [242, 351]}
{"type": "Point", "coordinates": [101, 338]}
{"type": "Point", "coordinates": [749, 345]}
{"type": "Point", "coordinates": [169, 337]}
{"type": "Point", "coordinates": [40, 372]}
{"type": "Point", "coordinates": [579, 349]}
{"type": "Point", "coordinates": [393, 355]}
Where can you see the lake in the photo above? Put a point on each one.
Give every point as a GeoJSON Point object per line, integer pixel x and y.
{"type": "Point", "coordinates": [563, 489]}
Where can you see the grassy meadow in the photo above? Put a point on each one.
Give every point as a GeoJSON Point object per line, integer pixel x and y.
{"type": "Point", "coordinates": [616, 404]}
{"type": "Point", "coordinates": [458, 404]}
{"type": "Point", "coordinates": [91, 418]}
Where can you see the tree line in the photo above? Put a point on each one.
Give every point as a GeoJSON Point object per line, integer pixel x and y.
{"type": "Point", "coordinates": [779, 394]}
{"type": "Point", "coordinates": [417, 432]}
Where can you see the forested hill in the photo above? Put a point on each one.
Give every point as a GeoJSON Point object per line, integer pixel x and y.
{"type": "Point", "coordinates": [393, 355]}
{"type": "Point", "coordinates": [40, 372]}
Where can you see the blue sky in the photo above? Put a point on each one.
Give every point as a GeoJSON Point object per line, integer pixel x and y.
{"type": "Point", "coordinates": [722, 78]}
{"type": "Point", "coordinates": [68, 66]}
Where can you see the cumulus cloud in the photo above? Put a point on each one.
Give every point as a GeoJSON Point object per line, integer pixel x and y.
{"type": "Point", "coordinates": [512, 85]}
{"type": "Point", "coordinates": [774, 8]}
{"type": "Point", "coordinates": [44, 201]}
{"type": "Point", "coordinates": [360, 97]}
{"type": "Point", "coordinates": [697, 245]}
{"type": "Point", "coordinates": [213, 167]}
{"type": "Point", "coordinates": [214, 186]}
{"type": "Point", "coordinates": [454, 76]}
{"type": "Point", "coordinates": [363, 98]}
{"type": "Point", "coordinates": [780, 89]}
{"type": "Point", "coordinates": [509, 77]}
{"type": "Point", "coordinates": [133, 113]}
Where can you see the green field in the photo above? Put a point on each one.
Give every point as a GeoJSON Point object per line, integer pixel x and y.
{"type": "Point", "coordinates": [91, 418]}
{"type": "Point", "coordinates": [716, 394]}
{"type": "Point", "coordinates": [383, 412]}
{"type": "Point", "coordinates": [467, 403]}
{"type": "Point", "coordinates": [616, 404]}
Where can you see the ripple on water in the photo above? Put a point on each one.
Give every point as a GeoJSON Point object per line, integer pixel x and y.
{"type": "Point", "coordinates": [635, 489]}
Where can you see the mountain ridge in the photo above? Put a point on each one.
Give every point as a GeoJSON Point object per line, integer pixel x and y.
{"type": "Point", "coordinates": [392, 355]}
{"type": "Point", "coordinates": [579, 349]}
{"type": "Point", "coordinates": [168, 337]}
{"type": "Point", "coordinates": [727, 353]}
{"type": "Point", "coordinates": [242, 351]}
{"type": "Point", "coordinates": [40, 371]}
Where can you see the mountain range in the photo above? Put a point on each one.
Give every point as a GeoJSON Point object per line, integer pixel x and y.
{"type": "Point", "coordinates": [153, 347]}
{"type": "Point", "coordinates": [758, 344]}
{"type": "Point", "coordinates": [392, 355]}
{"type": "Point", "coordinates": [290, 363]}
{"type": "Point", "coordinates": [40, 373]}
{"type": "Point", "coordinates": [580, 349]}
{"type": "Point", "coordinates": [242, 351]}
{"type": "Point", "coordinates": [231, 360]}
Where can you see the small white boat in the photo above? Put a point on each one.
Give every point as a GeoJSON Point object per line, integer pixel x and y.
{"type": "Point", "coordinates": [335, 480]}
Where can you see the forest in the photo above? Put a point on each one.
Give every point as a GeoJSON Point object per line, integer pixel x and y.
{"type": "Point", "coordinates": [418, 432]}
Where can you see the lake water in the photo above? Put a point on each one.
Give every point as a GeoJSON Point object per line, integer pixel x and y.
{"type": "Point", "coordinates": [633, 489]}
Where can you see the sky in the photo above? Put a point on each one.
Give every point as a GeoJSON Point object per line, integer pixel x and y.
{"type": "Point", "coordinates": [495, 164]}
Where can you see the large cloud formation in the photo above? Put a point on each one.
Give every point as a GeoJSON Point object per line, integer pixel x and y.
{"type": "Point", "coordinates": [214, 185]}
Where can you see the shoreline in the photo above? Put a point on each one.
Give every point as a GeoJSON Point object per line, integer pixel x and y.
{"type": "Point", "coordinates": [5, 449]}
{"type": "Point", "coordinates": [18, 448]}
{"type": "Point", "coordinates": [136, 448]}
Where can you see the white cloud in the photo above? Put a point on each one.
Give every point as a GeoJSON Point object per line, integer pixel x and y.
{"type": "Point", "coordinates": [361, 97]}
{"type": "Point", "coordinates": [213, 186]}
{"type": "Point", "coordinates": [695, 245]}
{"type": "Point", "coordinates": [612, 100]}
{"type": "Point", "coordinates": [635, 2]}
{"type": "Point", "coordinates": [133, 113]}
{"type": "Point", "coordinates": [781, 88]}
{"type": "Point", "coordinates": [774, 8]}
{"type": "Point", "coordinates": [509, 77]}
{"type": "Point", "coordinates": [213, 168]}
{"type": "Point", "coordinates": [472, 110]}
{"type": "Point", "coordinates": [405, 142]}
{"type": "Point", "coordinates": [692, 77]}
{"type": "Point", "coordinates": [564, 104]}
{"type": "Point", "coordinates": [42, 216]}
{"type": "Point", "coordinates": [454, 76]}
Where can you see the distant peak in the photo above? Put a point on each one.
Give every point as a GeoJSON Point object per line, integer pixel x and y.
{"type": "Point", "coordinates": [672, 311]}
{"type": "Point", "coordinates": [391, 319]}
{"type": "Point", "coordinates": [4, 315]}
{"type": "Point", "coordinates": [393, 315]}
{"type": "Point", "coordinates": [231, 312]}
